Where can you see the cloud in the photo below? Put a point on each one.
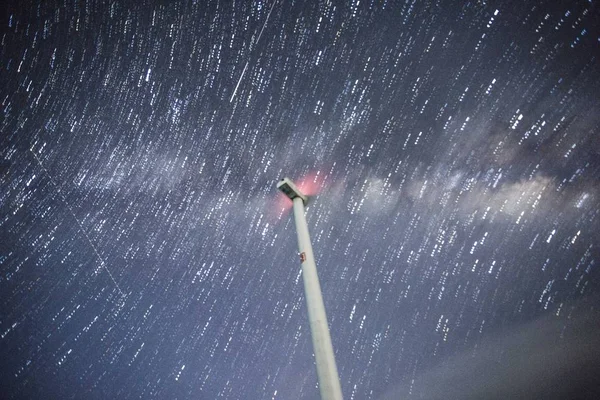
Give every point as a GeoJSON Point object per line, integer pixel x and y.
{"type": "Point", "coordinates": [551, 357]}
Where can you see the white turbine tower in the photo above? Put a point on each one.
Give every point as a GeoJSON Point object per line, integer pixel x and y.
{"type": "Point", "coordinates": [329, 382]}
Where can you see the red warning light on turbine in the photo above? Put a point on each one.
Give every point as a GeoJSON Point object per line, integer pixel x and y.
{"type": "Point", "coordinates": [302, 257]}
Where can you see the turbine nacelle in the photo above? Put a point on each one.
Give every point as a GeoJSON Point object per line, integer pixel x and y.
{"type": "Point", "coordinates": [290, 190]}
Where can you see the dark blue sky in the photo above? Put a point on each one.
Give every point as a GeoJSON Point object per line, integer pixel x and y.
{"type": "Point", "coordinates": [455, 156]}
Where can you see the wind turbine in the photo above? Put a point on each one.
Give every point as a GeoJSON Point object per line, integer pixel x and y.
{"type": "Point", "coordinates": [329, 381]}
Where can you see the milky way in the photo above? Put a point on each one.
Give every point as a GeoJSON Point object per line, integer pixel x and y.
{"type": "Point", "coordinates": [452, 150]}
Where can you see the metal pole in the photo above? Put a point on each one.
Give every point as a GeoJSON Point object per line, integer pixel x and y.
{"type": "Point", "coordinates": [329, 382]}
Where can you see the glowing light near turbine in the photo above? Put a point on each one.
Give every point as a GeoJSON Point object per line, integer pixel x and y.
{"type": "Point", "coordinates": [310, 184]}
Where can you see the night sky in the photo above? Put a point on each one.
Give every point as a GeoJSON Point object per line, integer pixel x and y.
{"type": "Point", "coordinates": [451, 148]}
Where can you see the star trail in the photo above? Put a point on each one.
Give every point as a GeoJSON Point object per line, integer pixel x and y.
{"type": "Point", "coordinates": [451, 151]}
